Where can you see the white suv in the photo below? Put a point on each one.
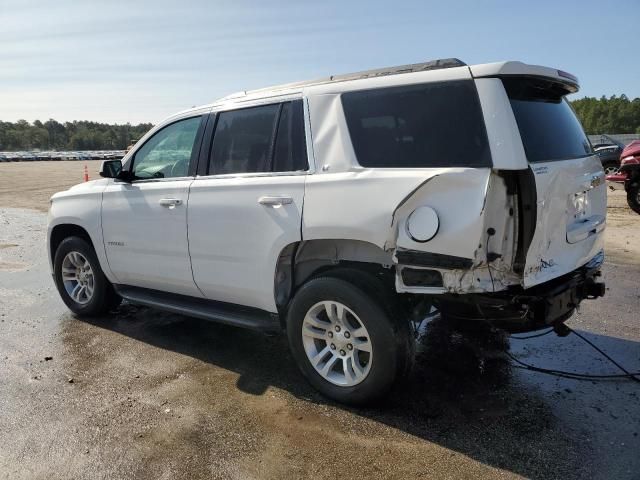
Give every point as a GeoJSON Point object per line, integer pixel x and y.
{"type": "Point", "coordinates": [344, 210]}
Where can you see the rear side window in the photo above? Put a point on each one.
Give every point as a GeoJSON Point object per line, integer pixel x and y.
{"type": "Point", "coordinates": [259, 139]}
{"type": "Point", "coordinates": [243, 140]}
{"type": "Point", "coordinates": [418, 126]}
{"type": "Point", "coordinates": [548, 125]}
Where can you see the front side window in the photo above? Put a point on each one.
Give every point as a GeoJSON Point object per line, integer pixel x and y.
{"type": "Point", "coordinates": [418, 126]}
{"type": "Point", "coordinates": [168, 152]}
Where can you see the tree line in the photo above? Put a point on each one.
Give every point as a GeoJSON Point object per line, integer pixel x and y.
{"type": "Point", "coordinates": [598, 115]}
{"type": "Point", "coordinates": [608, 115]}
{"type": "Point", "coordinates": [77, 135]}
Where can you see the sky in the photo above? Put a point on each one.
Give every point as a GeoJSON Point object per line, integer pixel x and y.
{"type": "Point", "coordinates": [140, 61]}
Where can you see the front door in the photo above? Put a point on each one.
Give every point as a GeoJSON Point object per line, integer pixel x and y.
{"type": "Point", "coordinates": [144, 221]}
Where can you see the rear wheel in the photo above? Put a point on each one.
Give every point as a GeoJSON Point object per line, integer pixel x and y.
{"type": "Point", "coordinates": [80, 280]}
{"type": "Point", "coordinates": [633, 196]}
{"type": "Point", "coordinates": [344, 341]}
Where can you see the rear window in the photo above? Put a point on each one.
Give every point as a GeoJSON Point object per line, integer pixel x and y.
{"type": "Point", "coordinates": [418, 126]}
{"type": "Point", "coordinates": [548, 125]}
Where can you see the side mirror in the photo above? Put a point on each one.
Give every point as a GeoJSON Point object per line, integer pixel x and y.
{"type": "Point", "coordinates": [110, 168]}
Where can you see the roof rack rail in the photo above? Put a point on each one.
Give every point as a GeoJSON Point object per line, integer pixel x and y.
{"type": "Point", "coordinates": [378, 72]}
{"type": "Point", "coordinates": [233, 95]}
{"type": "Point", "coordinates": [411, 68]}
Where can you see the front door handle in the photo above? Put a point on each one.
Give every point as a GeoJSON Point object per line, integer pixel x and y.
{"type": "Point", "coordinates": [170, 202]}
{"type": "Point", "coordinates": [275, 200]}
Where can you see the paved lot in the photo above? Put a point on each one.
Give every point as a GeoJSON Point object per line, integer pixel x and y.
{"type": "Point", "coordinates": [145, 394]}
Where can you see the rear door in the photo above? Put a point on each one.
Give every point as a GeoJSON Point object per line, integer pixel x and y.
{"type": "Point", "coordinates": [569, 181]}
{"type": "Point", "coordinates": [247, 206]}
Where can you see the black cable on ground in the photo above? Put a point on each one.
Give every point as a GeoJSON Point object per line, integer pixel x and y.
{"type": "Point", "coordinates": [532, 336]}
{"type": "Point", "coordinates": [565, 374]}
{"type": "Point", "coordinates": [633, 376]}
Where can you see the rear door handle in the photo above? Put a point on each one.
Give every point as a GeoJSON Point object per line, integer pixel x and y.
{"type": "Point", "coordinates": [275, 200]}
{"type": "Point", "coordinates": [170, 202]}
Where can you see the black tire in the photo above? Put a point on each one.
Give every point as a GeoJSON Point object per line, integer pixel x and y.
{"type": "Point", "coordinates": [384, 293]}
{"type": "Point", "coordinates": [389, 342]}
{"type": "Point", "coordinates": [104, 297]}
{"type": "Point", "coordinates": [633, 196]}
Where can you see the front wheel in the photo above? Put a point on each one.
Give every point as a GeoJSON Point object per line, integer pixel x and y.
{"type": "Point", "coordinates": [344, 341]}
{"type": "Point", "coordinates": [80, 280]}
{"type": "Point", "coordinates": [633, 196]}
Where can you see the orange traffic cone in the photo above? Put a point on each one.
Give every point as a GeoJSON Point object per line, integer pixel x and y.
{"type": "Point", "coordinates": [86, 173]}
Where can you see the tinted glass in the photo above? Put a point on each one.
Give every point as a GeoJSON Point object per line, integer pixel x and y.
{"type": "Point", "coordinates": [291, 152]}
{"type": "Point", "coordinates": [243, 140]}
{"type": "Point", "coordinates": [548, 126]}
{"type": "Point", "coordinates": [168, 152]}
{"type": "Point", "coordinates": [429, 125]}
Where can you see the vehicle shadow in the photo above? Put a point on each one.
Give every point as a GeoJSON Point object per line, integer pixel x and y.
{"type": "Point", "coordinates": [463, 395]}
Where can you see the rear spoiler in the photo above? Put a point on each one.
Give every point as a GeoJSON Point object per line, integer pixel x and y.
{"type": "Point", "coordinates": [518, 69]}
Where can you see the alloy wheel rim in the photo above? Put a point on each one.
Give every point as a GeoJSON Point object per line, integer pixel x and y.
{"type": "Point", "coordinates": [78, 277]}
{"type": "Point", "coordinates": [337, 343]}
{"type": "Point", "coordinates": [611, 170]}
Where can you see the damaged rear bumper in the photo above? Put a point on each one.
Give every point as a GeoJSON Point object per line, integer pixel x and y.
{"type": "Point", "coordinates": [520, 310]}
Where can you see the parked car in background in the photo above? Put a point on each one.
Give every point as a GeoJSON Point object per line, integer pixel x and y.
{"type": "Point", "coordinates": [628, 177]}
{"type": "Point", "coordinates": [608, 151]}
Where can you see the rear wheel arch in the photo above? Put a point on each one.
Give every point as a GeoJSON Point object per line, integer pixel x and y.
{"type": "Point", "coordinates": [300, 261]}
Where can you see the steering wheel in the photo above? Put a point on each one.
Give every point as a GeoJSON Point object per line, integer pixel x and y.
{"type": "Point", "coordinates": [179, 168]}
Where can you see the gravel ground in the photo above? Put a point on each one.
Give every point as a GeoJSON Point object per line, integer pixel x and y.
{"type": "Point", "coordinates": [146, 394]}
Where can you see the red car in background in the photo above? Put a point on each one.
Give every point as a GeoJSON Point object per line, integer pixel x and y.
{"type": "Point", "coordinates": [628, 177]}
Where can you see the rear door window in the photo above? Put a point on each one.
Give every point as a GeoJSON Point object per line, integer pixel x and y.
{"type": "Point", "coordinates": [243, 140]}
{"type": "Point", "coordinates": [290, 153]}
{"type": "Point", "coordinates": [548, 125]}
{"type": "Point", "coordinates": [268, 138]}
{"type": "Point", "coordinates": [418, 126]}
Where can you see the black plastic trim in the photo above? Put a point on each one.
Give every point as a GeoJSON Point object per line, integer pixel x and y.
{"type": "Point", "coordinates": [197, 147]}
{"type": "Point", "coordinates": [527, 216]}
{"type": "Point", "coordinates": [417, 277]}
{"type": "Point", "coordinates": [207, 143]}
{"type": "Point", "coordinates": [274, 138]}
{"type": "Point", "coordinates": [226, 313]}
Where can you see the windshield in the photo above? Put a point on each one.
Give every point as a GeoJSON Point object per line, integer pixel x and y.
{"type": "Point", "coordinates": [548, 125]}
